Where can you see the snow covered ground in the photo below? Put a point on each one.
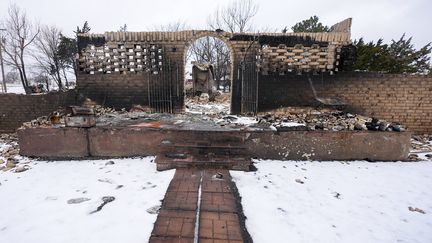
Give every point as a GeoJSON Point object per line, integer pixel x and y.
{"type": "Point", "coordinates": [36, 205]}
{"type": "Point", "coordinates": [337, 201]}
{"type": "Point", "coordinates": [284, 201]}
{"type": "Point", "coordinates": [15, 88]}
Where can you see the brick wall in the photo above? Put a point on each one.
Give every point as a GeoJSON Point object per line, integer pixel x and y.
{"type": "Point", "coordinates": [100, 55]}
{"type": "Point", "coordinates": [114, 90]}
{"type": "Point", "coordinates": [121, 90]}
{"type": "Point", "coordinates": [18, 108]}
{"type": "Point", "coordinates": [393, 97]}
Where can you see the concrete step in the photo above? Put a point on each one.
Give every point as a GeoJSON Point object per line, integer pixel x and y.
{"type": "Point", "coordinates": [206, 148]}
{"type": "Point", "coordinates": [207, 137]}
{"type": "Point", "coordinates": [166, 161]}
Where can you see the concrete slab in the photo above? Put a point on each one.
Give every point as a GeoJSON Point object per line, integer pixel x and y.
{"type": "Point", "coordinates": [124, 141]}
{"type": "Point", "coordinates": [328, 145]}
{"type": "Point", "coordinates": [53, 143]}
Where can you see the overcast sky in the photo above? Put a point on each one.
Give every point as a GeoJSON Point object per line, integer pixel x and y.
{"type": "Point", "coordinates": [372, 19]}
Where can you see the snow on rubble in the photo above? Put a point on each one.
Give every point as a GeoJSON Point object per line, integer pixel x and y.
{"type": "Point", "coordinates": [81, 201]}
{"type": "Point", "coordinates": [288, 201]}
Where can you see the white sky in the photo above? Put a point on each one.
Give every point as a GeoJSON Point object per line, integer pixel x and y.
{"type": "Point", "coordinates": [372, 19]}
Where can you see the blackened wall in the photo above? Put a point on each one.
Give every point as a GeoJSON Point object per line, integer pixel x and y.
{"type": "Point", "coordinates": [115, 90]}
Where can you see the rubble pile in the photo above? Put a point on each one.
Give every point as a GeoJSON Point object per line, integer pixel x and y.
{"type": "Point", "coordinates": [42, 121]}
{"type": "Point", "coordinates": [216, 109]}
{"type": "Point", "coordinates": [10, 145]}
{"type": "Point", "coordinates": [100, 110]}
{"type": "Point", "coordinates": [421, 148]}
{"type": "Point", "coordinates": [9, 150]}
{"type": "Point", "coordinates": [327, 120]}
{"type": "Point", "coordinates": [292, 118]}
{"type": "Point", "coordinates": [421, 143]}
{"type": "Point", "coordinates": [57, 118]}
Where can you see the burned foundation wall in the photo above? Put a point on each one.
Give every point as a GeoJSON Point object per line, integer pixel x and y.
{"type": "Point", "coordinates": [394, 97]}
{"type": "Point", "coordinates": [18, 108]}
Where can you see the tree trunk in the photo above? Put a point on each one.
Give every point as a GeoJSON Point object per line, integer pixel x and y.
{"type": "Point", "coordinates": [25, 86]}
{"type": "Point", "coordinates": [24, 75]}
{"type": "Point", "coordinates": [74, 66]}
{"type": "Point", "coordinates": [47, 84]}
{"type": "Point", "coordinates": [65, 76]}
{"type": "Point", "coordinates": [60, 84]}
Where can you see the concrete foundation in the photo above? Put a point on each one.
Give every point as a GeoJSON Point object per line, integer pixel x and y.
{"type": "Point", "coordinates": [132, 140]}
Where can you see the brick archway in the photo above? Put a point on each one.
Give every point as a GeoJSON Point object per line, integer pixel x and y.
{"type": "Point", "coordinates": [225, 38]}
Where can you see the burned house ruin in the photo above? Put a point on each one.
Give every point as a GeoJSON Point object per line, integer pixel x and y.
{"type": "Point", "coordinates": [145, 71]}
{"type": "Point", "coordinates": [120, 69]}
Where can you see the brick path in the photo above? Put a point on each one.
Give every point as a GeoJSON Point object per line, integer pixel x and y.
{"type": "Point", "coordinates": [220, 215]}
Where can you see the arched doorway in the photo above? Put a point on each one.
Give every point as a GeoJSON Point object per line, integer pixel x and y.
{"type": "Point", "coordinates": [208, 75]}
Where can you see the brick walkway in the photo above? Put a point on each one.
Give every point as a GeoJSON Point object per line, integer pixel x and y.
{"type": "Point", "coordinates": [220, 215]}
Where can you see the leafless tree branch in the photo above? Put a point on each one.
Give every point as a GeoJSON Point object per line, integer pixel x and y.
{"type": "Point", "coordinates": [46, 54]}
{"type": "Point", "coordinates": [236, 17]}
{"type": "Point", "coordinates": [20, 34]}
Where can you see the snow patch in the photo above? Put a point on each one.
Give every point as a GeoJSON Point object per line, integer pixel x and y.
{"type": "Point", "coordinates": [35, 204]}
{"type": "Point", "coordinates": [337, 201]}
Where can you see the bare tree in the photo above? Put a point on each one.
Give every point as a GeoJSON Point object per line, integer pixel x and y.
{"type": "Point", "coordinates": [47, 55]}
{"type": "Point", "coordinates": [20, 34]}
{"type": "Point", "coordinates": [12, 77]}
{"type": "Point", "coordinates": [178, 25]}
{"type": "Point", "coordinates": [213, 51]}
{"type": "Point", "coordinates": [236, 17]}
{"type": "Point", "coordinates": [123, 28]}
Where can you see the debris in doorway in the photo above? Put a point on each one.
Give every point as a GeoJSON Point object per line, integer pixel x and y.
{"type": "Point", "coordinates": [202, 105]}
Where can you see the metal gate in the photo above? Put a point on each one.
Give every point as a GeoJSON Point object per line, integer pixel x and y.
{"type": "Point", "coordinates": [248, 76]}
{"type": "Point", "coordinates": [163, 88]}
